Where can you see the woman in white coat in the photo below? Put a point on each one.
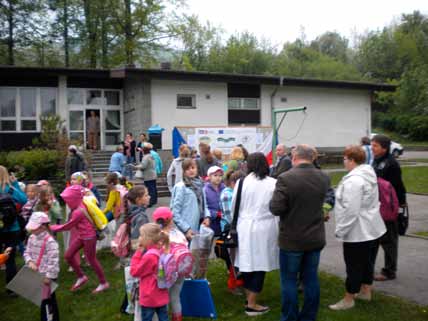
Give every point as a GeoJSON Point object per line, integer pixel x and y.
{"type": "Point", "coordinates": [359, 225]}
{"type": "Point", "coordinates": [257, 229]}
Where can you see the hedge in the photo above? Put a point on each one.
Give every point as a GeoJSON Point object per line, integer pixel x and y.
{"type": "Point", "coordinates": [34, 164]}
{"type": "Point", "coordinates": [414, 127]}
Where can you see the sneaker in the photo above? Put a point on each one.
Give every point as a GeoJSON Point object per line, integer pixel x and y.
{"type": "Point", "coordinates": [70, 269]}
{"type": "Point", "coordinates": [364, 296]}
{"type": "Point", "coordinates": [253, 312]}
{"type": "Point", "coordinates": [101, 287]}
{"type": "Point", "coordinates": [382, 277]}
{"type": "Point", "coordinates": [342, 305]}
{"type": "Point", "coordinates": [79, 283]}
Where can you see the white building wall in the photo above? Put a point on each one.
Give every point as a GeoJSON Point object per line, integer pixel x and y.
{"type": "Point", "coordinates": [334, 117]}
{"type": "Point", "coordinates": [211, 106]}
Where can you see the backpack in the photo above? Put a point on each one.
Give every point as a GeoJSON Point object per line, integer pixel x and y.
{"type": "Point", "coordinates": [121, 242]}
{"type": "Point", "coordinates": [167, 273]}
{"type": "Point", "coordinates": [388, 200]}
{"type": "Point", "coordinates": [120, 208]}
{"type": "Point", "coordinates": [8, 211]}
{"type": "Point", "coordinates": [183, 258]}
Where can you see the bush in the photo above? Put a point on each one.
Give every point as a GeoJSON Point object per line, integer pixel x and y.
{"type": "Point", "coordinates": [419, 128]}
{"type": "Point", "coordinates": [34, 164]}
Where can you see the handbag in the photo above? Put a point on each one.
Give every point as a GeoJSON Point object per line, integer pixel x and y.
{"type": "Point", "coordinates": [231, 240]}
{"type": "Point", "coordinates": [403, 220]}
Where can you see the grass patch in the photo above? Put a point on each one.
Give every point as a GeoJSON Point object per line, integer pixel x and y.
{"type": "Point", "coordinates": [415, 179]}
{"type": "Point", "coordinates": [85, 306]}
{"type": "Point", "coordinates": [422, 233]}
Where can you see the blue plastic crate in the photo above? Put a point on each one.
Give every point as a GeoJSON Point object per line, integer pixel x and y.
{"type": "Point", "coordinates": [196, 300]}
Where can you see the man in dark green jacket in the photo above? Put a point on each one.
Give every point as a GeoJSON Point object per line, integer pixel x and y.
{"type": "Point", "coordinates": [298, 199]}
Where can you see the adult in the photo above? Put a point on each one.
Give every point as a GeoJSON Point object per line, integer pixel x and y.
{"type": "Point", "coordinates": [283, 162]}
{"type": "Point", "coordinates": [140, 145]}
{"type": "Point", "coordinates": [117, 160]}
{"type": "Point", "coordinates": [359, 225]}
{"type": "Point", "coordinates": [10, 234]}
{"type": "Point", "coordinates": [129, 146]}
{"type": "Point", "coordinates": [206, 161]}
{"type": "Point", "coordinates": [75, 162]}
{"type": "Point", "coordinates": [298, 200]}
{"type": "Point", "coordinates": [93, 128]}
{"type": "Point", "coordinates": [148, 167]}
{"type": "Point", "coordinates": [366, 144]}
{"type": "Point", "coordinates": [387, 167]}
{"type": "Point", "coordinates": [236, 161]}
{"type": "Point", "coordinates": [175, 171]}
{"type": "Point", "coordinates": [257, 231]}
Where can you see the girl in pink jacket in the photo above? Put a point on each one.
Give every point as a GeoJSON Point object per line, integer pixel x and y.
{"type": "Point", "coordinates": [144, 265]}
{"type": "Point", "coordinates": [42, 255]}
{"type": "Point", "coordinates": [85, 237]}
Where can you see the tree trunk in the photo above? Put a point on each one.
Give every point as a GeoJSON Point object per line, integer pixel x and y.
{"type": "Point", "coordinates": [104, 38]}
{"type": "Point", "coordinates": [92, 34]}
{"type": "Point", "coordinates": [10, 41]}
{"type": "Point", "coordinates": [129, 43]}
{"type": "Point", "coordinates": [65, 35]}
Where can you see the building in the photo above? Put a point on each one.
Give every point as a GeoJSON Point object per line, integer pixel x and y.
{"type": "Point", "coordinates": [132, 99]}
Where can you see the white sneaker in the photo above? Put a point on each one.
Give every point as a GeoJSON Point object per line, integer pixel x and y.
{"type": "Point", "coordinates": [364, 296]}
{"type": "Point", "coordinates": [342, 305]}
{"type": "Point", "coordinates": [101, 287]}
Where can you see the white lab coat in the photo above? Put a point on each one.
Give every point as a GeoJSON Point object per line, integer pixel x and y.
{"type": "Point", "coordinates": [257, 228]}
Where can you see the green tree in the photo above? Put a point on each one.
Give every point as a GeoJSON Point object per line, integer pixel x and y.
{"type": "Point", "coordinates": [333, 45]}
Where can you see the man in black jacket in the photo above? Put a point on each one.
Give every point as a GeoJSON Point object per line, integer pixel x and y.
{"type": "Point", "coordinates": [387, 167]}
{"type": "Point", "coordinates": [283, 162]}
{"type": "Point", "coordinates": [298, 199]}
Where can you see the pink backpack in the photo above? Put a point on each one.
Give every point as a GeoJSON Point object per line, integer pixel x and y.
{"type": "Point", "coordinates": [120, 209]}
{"type": "Point", "coordinates": [121, 242]}
{"type": "Point", "coordinates": [183, 257]}
{"type": "Point", "coordinates": [388, 200]}
{"type": "Point", "coordinates": [167, 273]}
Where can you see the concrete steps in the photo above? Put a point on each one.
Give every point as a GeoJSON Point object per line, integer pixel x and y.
{"type": "Point", "coordinates": [100, 161]}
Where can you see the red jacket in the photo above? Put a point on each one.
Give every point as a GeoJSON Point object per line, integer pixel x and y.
{"type": "Point", "coordinates": [145, 267]}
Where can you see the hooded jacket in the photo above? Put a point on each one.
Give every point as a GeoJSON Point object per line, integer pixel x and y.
{"type": "Point", "coordinates": [357, 205]}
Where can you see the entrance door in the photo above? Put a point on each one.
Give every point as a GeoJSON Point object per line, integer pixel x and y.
{"type": "Point", "coordinates": [77, 126]}
{"type": "Point", "coordinates": [112, 128]}
{"type": "Point", "coordinates": [93, 129]}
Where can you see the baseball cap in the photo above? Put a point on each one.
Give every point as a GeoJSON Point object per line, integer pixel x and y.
{"type": "Point", "coordinates": [163, 213]}
{"type": "Point", "coordinates": [213, 170]}
{"type": "Point", "coordinates": [36, 220]}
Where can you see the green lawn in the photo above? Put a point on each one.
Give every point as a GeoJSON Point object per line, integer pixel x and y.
{"type": "Point", "coordinates": [415, 179]}
{"type": "Point", "coordinates": [422, 233]}
{"type": "Point", "coordinates": [105, 306]}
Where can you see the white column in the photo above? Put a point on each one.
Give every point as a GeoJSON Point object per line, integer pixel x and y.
{"type": "Point", "coordinates": [62, 100]}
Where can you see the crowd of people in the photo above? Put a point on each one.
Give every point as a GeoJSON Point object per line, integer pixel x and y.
{"type": "Point", "coordinates": [277, 214]}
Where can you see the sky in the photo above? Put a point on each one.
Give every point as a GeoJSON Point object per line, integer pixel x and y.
{"type": "Point", "coordinates": [284, 20]}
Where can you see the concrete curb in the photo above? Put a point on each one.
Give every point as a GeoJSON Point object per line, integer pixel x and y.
{"type": "Point", "coordinates": [416, 236]}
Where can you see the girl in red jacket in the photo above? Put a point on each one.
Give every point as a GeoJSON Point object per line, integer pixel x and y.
{"type": "Point", "coordinates": [144, 265]}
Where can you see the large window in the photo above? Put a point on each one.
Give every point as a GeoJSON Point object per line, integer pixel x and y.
{"type": "Point", "coordinates": [93, 97]}
{"type": "Point", "coordinates": [20, 108]}
{"type": "Point", "coordinates": [243, 103]}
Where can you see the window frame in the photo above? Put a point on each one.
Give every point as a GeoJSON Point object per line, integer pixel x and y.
{"type": "Point", "coordinates": [241, 103]}
{"type": "Point", "coordinates": [192, 96]}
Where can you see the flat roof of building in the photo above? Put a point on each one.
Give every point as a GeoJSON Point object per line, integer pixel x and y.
{"type": "Point", "coordinates": [129, 72]}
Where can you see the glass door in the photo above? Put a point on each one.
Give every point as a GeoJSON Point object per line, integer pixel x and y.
{"type": "Point", "coordinates": [77, 127]}
{"type": "Point", "coordinates": [112, 128]}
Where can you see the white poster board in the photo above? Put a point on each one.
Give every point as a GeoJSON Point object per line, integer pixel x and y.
{"type": "Point", "coordinates": [28, 284]}
{"type": "Point", "coordinates": [225, 138]}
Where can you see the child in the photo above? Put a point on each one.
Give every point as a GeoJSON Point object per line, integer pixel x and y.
{"type": "Point", "coordinates": [234, 282]}
{"type": "Point", "coordinates": [85, 238]}
{"type": "Point", "coordinates": [144, 265]}
{"type": "Point", "coordinates": [5, 255]}
{"type": "Point", "coordinates": [48, 204]}
{"type": "Point", "coordinates": [32, 192]}
{"type": "Point", "coordinates": [163, 217]}
{"type": "Point", "coordinates": [42, 255]}
{"type": "Point", "coordinates": [138, 200]}
{"type": "Point", "coordinates": [213, 189]}
{"type": "Point", "coordinates": [188, 201]}
{"type": "Point", "coordinates": [115, 196]}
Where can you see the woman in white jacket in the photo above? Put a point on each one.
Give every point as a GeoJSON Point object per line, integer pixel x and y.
{"type": "Point", "coordinates": [257, 229]}
{"type": "Point", "coordinates": [359, 225]}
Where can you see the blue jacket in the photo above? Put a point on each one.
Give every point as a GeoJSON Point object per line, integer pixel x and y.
{"type": "Point", "coordinates": [116, 162]}
{"type": "Point", "coordinates": [184, 206]}
{"type": "Point", "coordinates": [20, 198]}
{"type": "Point", "coordinates": [158, 162]}
{"type": "Point", "coordinates": [213, 204]}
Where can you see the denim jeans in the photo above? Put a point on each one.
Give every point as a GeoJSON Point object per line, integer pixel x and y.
{"type": "Point", "coordinates": [128, 170]}
{"type": "Point", "coordinates": [147, 313]}
{"type": "Point", "coordinates": [290, 264]}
